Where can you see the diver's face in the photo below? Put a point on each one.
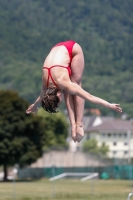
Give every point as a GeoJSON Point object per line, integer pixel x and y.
{"type": "Point", "coordinates": [60, 96]}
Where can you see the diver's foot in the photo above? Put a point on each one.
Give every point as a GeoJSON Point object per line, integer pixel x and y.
{"type": "Point", "coordinates": [79, 131]}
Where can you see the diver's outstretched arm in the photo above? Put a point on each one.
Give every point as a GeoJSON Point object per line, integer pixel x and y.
{"type": "Point", "coordinates": [74, 89]}
{"type": "Point", "coordinates": [33, 107]}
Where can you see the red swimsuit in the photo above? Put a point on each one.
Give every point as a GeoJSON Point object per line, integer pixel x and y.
{"type": "Point", "coordinates": [69, 46]}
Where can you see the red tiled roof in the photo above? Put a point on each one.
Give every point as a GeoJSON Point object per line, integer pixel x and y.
{"type": "Point", "coordinates": [95, 111]}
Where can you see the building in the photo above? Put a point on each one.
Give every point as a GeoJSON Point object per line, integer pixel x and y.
{"type": "Point", "coordinates": [117, 134]}
{"type": "Point", "coordinates": [89, 122]}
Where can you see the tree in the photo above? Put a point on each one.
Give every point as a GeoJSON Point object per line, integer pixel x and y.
{"type": "Point", "coordinates": [104, 36]}
{"type": "Point", "coordinates": [91, 146]}
{"type": "Point", "coordinates": [104, 149]}
{"type": "Point", "coordinates": [56, 130]}
{"type": "Point", "coordinates": [21, 135]}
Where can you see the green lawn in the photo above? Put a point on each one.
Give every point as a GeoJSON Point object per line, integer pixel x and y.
{"type": "Point", "coordinates": [66, 190]}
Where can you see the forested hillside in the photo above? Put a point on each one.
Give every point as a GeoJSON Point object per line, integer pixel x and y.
{"type": "Point", "coordinates": [104, 29]}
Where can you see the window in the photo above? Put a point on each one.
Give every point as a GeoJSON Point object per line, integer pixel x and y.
{"type": "Point", "coordinates": [125, 152]}
{"type": "Point", "coordinates": [125, 134]}
{"type": "Point", "coordinates": [114, 134]}
{"type": "Point", "coordinates": [120, 134]}
{"type": "Point", "coordinates": [114, 143]}
{"type": "Point", "coordinates": [88, 137]}
{"type": "Point", "coordinates": [109, 134]}
{"type": "Point", "coordinates": [114, 152]}
{"type": "Point", "coordinates": [125, 143]}
{"type": "Point", "coordinates": [103, 134]}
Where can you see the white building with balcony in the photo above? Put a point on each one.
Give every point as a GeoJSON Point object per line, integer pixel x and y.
{"type": "Point", "coordinates": [117, 134]}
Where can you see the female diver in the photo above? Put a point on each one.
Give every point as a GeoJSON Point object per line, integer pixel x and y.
{"type": "Point", "coordinates": [62, 76]}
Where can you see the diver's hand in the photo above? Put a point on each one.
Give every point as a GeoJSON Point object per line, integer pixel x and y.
{"type": "Point", "coordinates": [32, 108]}
{"type": "Point", "coordinates": [115, 107]}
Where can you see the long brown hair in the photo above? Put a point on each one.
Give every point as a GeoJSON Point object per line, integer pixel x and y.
{"type": "Point", "coordinates": [50, 100]}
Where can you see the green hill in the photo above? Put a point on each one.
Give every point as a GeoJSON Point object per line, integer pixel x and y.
{"type": "Point", "coordinates": [104, 29]}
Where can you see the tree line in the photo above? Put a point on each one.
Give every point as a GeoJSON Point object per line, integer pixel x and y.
{"type": "Point", "coordinates": [103, 28]}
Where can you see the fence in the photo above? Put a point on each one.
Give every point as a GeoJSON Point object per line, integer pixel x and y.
{"type": "Point", "coordinates": [114, 172]}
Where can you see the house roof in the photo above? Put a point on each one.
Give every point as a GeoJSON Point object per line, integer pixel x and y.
{"type": "Point", "coordinates": [91, 121]}
{"type": "Point", "coordinates": [115, 124]}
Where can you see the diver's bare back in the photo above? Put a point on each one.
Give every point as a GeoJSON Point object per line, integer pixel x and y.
{"type": "Point", "coordinates": [57, 56]}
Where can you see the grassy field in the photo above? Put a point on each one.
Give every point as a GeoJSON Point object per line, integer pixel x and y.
{"type": "Point", "coordinates": [66, 190]}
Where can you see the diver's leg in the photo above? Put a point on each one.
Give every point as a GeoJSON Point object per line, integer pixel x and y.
{"type": "Point", "coordinates": [77, 66]}
{"type": "Point", "coordinates": [71, 113]}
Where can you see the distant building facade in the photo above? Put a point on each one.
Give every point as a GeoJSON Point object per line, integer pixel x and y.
{"type": "Point", "coordinates": [117, 134]}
